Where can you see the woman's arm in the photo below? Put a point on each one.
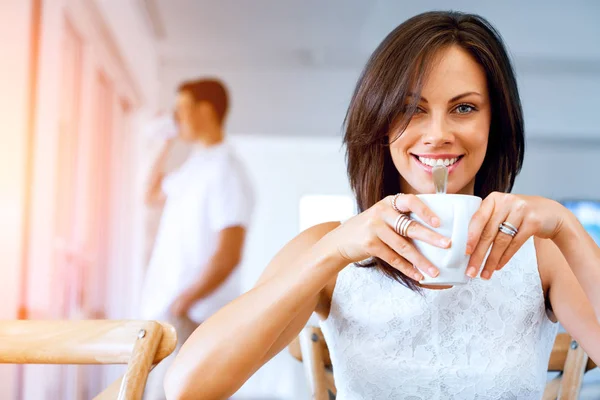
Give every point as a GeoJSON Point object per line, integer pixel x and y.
{"type": "Point", "coordinates": [582, 255]}
{"type": "Point", "coordinates": [235, 342]}
{"type": "Point", "coordinates": [568, 300]}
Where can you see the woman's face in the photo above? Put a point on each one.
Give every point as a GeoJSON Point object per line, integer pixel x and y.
{"type": "Point", "coordinates": [451, 126]}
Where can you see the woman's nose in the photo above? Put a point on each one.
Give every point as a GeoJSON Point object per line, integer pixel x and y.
{"type": "Point", "coordinates": [437, 133]}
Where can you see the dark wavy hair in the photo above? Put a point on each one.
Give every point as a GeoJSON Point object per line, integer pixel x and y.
{"type": "Point", "coordinates": [398, 67]}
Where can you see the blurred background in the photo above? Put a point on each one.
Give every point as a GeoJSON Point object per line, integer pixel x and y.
{"type": "Point", "coordinates": [81, 79]}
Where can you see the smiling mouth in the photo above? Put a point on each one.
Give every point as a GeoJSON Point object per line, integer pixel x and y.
{"type": "Point", "coordinates": [432, 162]}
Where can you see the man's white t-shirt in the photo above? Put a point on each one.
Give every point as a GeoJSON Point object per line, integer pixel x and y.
{"type": "Point", "coordinates": [208, 193]}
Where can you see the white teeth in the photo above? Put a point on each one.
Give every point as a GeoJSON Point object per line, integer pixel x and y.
{"type": "Point", "coordinates": [432, 162]}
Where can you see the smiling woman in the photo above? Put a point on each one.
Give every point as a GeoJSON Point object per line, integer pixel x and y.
{"type": "Point", "coordinates": [453, 100]}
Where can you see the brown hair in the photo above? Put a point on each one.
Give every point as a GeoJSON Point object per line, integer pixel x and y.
{"type": "Point", "coordinates": [399, 66]}
{"type": "Point", "coordinates": [210, 90]}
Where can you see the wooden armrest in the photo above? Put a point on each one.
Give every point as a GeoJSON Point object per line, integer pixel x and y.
{"type": "Point", "coordinates": [77, 342]}
{"type": "Point", "coordinates": [558, 357]}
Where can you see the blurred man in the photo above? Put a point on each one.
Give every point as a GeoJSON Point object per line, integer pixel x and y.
{"type": "Point", "coordinates": [207, 208]}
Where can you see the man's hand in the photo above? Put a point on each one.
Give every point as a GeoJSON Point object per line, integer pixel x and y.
{"type": "Point", "coordinates": [182, 304]}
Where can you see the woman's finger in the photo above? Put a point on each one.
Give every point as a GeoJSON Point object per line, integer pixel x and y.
{"type": "Point", "coordinates": [497, 215]}
{"type": "Point", "coordinates": [519, 240]}
{"type": "Point", "coordinates": [387, 254]}
{"type": "Point", "coordinates": [405, 249]}
{"type": "Point", "coordinates": [416, 230]}
{"type": "Point", "coordinates": [406, 203]}
{"type": "Point", "coordinates": [478, 223]}
{"type": "Point", "coordinates": [501, 243]}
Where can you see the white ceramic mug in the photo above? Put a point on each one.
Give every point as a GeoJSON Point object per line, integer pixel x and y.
{"type": "Point", "coordinates": [455, 212]}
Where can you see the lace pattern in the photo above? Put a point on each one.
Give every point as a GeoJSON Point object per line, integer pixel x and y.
{"type": "Point", "coordinates": [484, 340]}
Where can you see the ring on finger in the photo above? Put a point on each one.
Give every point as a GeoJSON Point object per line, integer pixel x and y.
{"type": "Point", "coordinates": [394, 205]}
{"type": "Point", "coordinates": [402, 224]}
{"type": "Point", "coordinates": [508, 229]}
{"type": "Point", "coordinates": [510, 226]}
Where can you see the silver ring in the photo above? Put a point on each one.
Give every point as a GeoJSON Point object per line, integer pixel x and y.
{"type": "Point", "coordinates": [394, 206]}
{"type": "Point", "coordinates": [402, 224]}
{"type": "Point", "coordinates": [506, 230]}
{"type": "Point", "coordinates": [510, 226]}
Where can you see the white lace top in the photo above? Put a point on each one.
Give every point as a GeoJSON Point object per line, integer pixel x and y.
{"type": "Point", "coordinates": [484, 340]}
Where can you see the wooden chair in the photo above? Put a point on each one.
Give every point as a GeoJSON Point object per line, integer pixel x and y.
{"type": "Point", "coordinates": [567, 358]}
{"type": "Point", "coordinates": [139, 344]}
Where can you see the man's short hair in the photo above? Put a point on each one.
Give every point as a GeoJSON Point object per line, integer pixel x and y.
{"type": "Point", "coordinates": [210, 90]}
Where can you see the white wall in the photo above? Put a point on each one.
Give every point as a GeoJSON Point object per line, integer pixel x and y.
{"type": "Point", "coordinates": [560, 170]}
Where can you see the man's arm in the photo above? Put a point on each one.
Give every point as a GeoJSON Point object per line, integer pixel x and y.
{"type": "Point", "coordinates": [154, 194]}
{"type": "Point", "coordinates": [226, 257]}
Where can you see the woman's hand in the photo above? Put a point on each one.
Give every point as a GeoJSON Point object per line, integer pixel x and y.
{"type": "Point", "coordinates": [372, 234]}
{"type": "Point", "coordinates": [530, 215]}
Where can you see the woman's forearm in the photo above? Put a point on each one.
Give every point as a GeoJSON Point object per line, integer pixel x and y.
{"type": "Point", "coordinates": [231, 345]}
{"type": "Point", "coordinates": [583, 256]}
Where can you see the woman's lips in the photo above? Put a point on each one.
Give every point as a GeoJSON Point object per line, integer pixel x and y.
{"type": "Point", "coordinates": [429, 169]}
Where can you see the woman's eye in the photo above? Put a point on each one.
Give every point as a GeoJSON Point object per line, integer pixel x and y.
{"type": "Point", "coordinates": [464, 108]}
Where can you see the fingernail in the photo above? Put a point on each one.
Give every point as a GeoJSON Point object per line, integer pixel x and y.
{"type": "Point", "coordinates": [486, 275]}
{"type": "Point", "coordinates": [433, 272]}
{"type": "Point", "coordinates": [435, 222]}
{"type": "Point", "coordinates": [418, 277]}
{"type": "Point", "coordinates": [469, 250]}
{"type": "Point", "coordinates": [471, 271]}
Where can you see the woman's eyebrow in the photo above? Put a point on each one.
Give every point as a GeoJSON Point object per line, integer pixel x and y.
{"type": "Point", "coordinates": [457, 97]}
